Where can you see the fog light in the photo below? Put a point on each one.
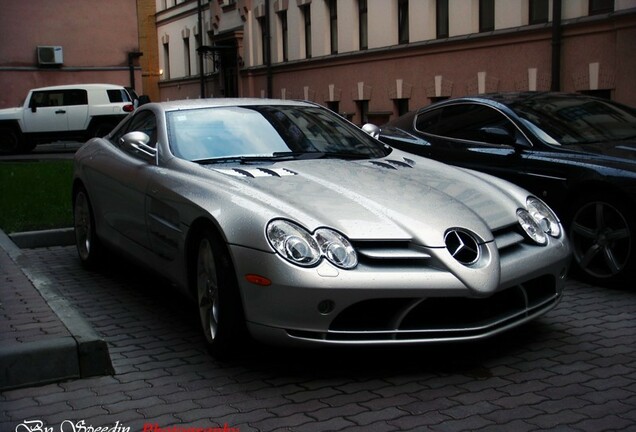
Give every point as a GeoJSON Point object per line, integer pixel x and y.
{"type": "Point", "coordinates": [325, 307]}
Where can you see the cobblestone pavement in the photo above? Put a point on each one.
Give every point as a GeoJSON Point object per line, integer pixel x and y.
{"type": "Point", "coordinates": [574, 369]}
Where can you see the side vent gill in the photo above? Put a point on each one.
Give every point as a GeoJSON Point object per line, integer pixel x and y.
{"type": "Point", "coordinates": [257, 172]}
{"type": "Point", "coordinates": [394, 164]}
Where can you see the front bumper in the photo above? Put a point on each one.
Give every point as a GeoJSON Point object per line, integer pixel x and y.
{"type": "Point", "coordinates": [395, 304]}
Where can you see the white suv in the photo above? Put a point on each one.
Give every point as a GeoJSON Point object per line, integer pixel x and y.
{"type": "Point", "coordinates": [63, 112]}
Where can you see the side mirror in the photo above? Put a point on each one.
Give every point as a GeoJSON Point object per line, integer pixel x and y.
{"type": "Point", "coordinates": [497, 135]}
{"type": "Point", "coordinates": [137, 142]}
{"type": "Point", "coordinates": [372, 130]}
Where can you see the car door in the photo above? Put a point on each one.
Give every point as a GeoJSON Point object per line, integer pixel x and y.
{"type": "Point", "coordinates": [47, 112]}
{"type": "Point", "coordinates": [76, 106]}
{"type": "Point", "coordinates": [475, 136]}
{"type": "Point", "coordinates": [123, 181]}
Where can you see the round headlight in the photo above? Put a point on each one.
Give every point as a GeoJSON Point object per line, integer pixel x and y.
{"type": "Point", "coordinates": [531, 227]}
{"type": "Point", "coordinates": [544, 216]}
{"type": "Point", "coordinates": [293, 242]}
{"type": "Point", "coordinates": [336, 248]}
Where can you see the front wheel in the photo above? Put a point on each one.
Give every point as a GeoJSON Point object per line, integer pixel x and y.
{"type": "Point", "coordinates": [218, 299]}
{"type": "Point", "coordinates": [10, 141]}
{"type": "Point", "coordinates": [88, 245]}
{"type": "Point", "coordinates": [602, 234]}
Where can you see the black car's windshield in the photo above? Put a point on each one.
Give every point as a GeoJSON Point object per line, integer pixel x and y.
{"type": "Point", "coordinates": [571, 120]}
{"type": "Point", "coordinates": [252, 133]}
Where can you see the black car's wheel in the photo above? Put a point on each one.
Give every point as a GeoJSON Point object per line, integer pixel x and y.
{"type": "Point", "coordinates": [10, 141]}
{"type": "Point", "coordinates": [217, 295]}
{"type": "Point", "coordinates": [602, 234]}
{"type": "Point", "coordinates": [88, 245]}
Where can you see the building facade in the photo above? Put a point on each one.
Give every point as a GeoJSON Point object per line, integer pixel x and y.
{"type": "Point", "coordinates": [372, 60]}
{"type": "Point", "coordinates": [45, 43]}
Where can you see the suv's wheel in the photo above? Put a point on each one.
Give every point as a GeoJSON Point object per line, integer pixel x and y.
{"type": "Point", "coordinates": [10, 140]}
{"type": "Point", "coordinates": [102, 129]}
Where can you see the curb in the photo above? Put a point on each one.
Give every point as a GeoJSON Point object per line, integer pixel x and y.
{"type": "Point", "coordinates": [82, 354]}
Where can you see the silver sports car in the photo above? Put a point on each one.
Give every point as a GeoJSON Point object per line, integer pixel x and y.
{"type": "Point", "coordinates": [288, 223]}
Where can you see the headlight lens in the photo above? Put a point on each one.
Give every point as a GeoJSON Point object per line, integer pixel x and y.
{"type": "Point", "coordinates": [293, 242]}
{"type": "Point", "coordinates": [531, 227]}
{"type": "Point", "coordinates": [538, 221]}
{"type": "Point", "coordinates": [544, 217]}
{"type": "Point", "coordinates": [336, 248]}
{"type": "Point", "coordinates": [297, 245]}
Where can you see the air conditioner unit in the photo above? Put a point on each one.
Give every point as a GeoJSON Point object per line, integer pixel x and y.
{"type": "Point", "coordinates": [50, 55]}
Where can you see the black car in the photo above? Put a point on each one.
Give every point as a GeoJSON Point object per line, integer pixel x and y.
{"type": "Point", "coordinates": [575, 151]}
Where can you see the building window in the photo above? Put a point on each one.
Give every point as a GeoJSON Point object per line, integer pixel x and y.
{"type": "Point", "coordinates": [601, 6]}
{"type": "Point", "coordinates": [263, 26]}
{"type": "Point", "coordinates": [441, 18]}
{"type": "Point", "coordinates": [334, 106]}
{"type": "Point", "coordinates": [363, 110]}
{"type": "Point", "coordinates": [486, 15]}
{"type": "Point", "coordinates": [403, 21]}
{"type": "Point", "coordinates": [186, 56]}
{"type": "Point", "coordinates": [282, 16]}
{"type": "Point", "coordinates": [306, 11]}
{"type": "Point", "coordinates": [166, 61]}
{"type": "Point", "coordinates": [333, 25]}
{"type": "Point", "coordinates": [402, 106]}
{"type": "Point", "coordinates": [363, 24]}
{"type": "Point", "coordinates": [539, 10]}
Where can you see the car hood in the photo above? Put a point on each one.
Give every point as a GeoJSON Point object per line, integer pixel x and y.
{"type": "Point", "coordinates": [10, 113]}
{"type": "Point", "coordinates": [400, 197]}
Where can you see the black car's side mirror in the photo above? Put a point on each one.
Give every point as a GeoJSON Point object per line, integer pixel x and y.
{"type": "Point", "coordinates": [497, 135]}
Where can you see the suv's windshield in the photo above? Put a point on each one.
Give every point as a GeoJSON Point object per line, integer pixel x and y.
{"type": "Point", "coordinates": [577, 121]}
{"type": "Point", "coordinates": [231, 133]}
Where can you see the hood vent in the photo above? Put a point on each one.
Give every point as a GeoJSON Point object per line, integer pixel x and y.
{"type": "Point", "coordinates": [257, 172]}
{"type": "Point", "coordinates": [393, 164]}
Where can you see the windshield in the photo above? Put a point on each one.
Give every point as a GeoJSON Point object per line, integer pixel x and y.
{"type": "Point", "coordinates": [572, 120]}
{"type": "Point", "coordinates": [229, 133]}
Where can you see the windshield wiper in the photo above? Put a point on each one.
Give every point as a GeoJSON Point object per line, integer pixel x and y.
{"type": "Point", "coordinates": [281, 156]}
{"type": "Point", "coordinates": [323, 155]}
{"type": "Point", "coordinates": [233, 159]}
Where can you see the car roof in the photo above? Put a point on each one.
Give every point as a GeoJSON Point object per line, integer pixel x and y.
{"type": "Point", "coordinates": [227, 102]}
{"type": "Point", "coordinates": [82, 86]}
{"type": "Point", "coordinates": [511, 98]}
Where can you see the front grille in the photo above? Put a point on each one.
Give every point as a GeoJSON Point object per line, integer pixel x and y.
{"type": "Point", "coordinates": [439, 318]}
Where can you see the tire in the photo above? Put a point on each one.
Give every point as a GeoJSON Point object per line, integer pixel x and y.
{"type": "Point", "coordinates": [603, 234]}
{"type": "Point", "coordinates": [10, 141]}
{"type": "Point", "coordinates": [217, 295]}
{"type": "Point", "coordinates": [101, 130]}
{"type": "Point", "coordinates": [89, 248]}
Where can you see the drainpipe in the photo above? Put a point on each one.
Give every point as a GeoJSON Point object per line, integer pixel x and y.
{"type": "Point", "coordinates": [556, 46]}
{"type": "Point", "coordinates": [268, 51]}
{"type": "Point", "coordinates": [201, 53]}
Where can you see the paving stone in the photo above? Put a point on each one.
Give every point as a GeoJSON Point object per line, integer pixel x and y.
{"type": "Point", "coordinates": [553, 374]}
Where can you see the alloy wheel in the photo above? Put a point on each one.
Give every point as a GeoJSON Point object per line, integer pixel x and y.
{"type": "Point", "coordinates": [208, 290]}
{"type": "Point", "coordinates": [83, 226]}
{"type": "Point", "coordinates": [601, 239]}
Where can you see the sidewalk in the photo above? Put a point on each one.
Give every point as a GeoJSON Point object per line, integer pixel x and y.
{"type": "Point", "coordinates": [42, 338]}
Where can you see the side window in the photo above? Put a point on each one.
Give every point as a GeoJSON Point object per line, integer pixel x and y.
{"type": "Point", "coordinates": [115, 96]}
{"type": "Point", "coordinates": [55, 98]}
{"type": "Point", "coordinates": [466, 122]}
{"type": "Point", "coordinates": [75, 97]}
{"type": "Point", "coordinates": [47, 99]}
